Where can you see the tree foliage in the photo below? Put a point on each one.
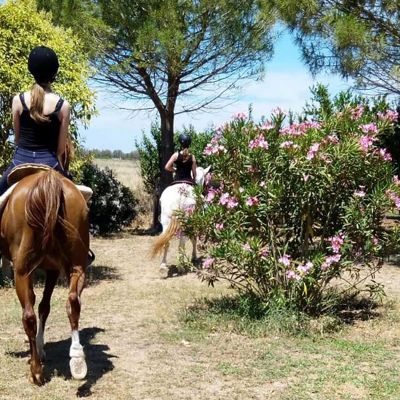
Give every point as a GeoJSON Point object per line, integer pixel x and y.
{"type": "Point", "coordinates": [359, 38]}
{"type": "Point", "coordinates": [71, 14]}
{"type": "Point", "coordinates": [162, 51]}
{"type": "Point", "coordinates": [21, 29]}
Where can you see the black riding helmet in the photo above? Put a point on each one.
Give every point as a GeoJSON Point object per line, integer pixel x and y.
{"type": "Point", "coordinates": [43, 64]}
{"type": "Point", "coordinates": [184, 140]}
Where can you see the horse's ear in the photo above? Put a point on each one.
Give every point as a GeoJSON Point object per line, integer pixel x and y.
{"type": "Point", "coordinates": [207, 170]}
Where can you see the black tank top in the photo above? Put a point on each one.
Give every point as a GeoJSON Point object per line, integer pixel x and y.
{"type": "Point", "coordinates": [39, 137]}
{"type": "Point", "coordinates": [183, 168]}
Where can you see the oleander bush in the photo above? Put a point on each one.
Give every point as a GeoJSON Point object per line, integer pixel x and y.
{"type": "Point", "coordinates": [297, 204]}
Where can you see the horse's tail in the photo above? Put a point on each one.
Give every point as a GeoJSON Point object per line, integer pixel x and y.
{"type": "Point", "coordinates": [44, 211]}
{"type": "Point", "coordinates": [173, 228]}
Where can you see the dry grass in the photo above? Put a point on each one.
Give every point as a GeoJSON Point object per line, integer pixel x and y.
{"type": "Point", "coordinates": [138, 348]}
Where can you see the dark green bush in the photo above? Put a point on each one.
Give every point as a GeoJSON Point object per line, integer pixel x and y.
{"type": "Point", "coordinates": [113, 205]}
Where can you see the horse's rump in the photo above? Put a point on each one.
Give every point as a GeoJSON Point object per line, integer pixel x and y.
{"type": "Point", "coordinates": [46, 217]}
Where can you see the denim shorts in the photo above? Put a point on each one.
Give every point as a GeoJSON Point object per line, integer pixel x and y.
{"type": "Point", "coordinates": [24, 156]}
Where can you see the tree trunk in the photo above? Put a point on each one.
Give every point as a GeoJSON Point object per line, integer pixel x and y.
{"type": "Point", "coordinates": [167, 149]}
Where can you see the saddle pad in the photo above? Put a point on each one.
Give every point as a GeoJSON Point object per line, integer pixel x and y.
{"type": "Point", "coordinates": [23, 170]}
{"type": "Point", "coordinates": [85, 191]}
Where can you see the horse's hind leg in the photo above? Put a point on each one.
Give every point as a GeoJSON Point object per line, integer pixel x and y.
{"type": "Point", "coordinates": [26, 296]}
{"type": "Point", "coordinates": [164, 270]}
{"type": "Point", "coordinates": [77, 363]}
{"type": "Point", "coordinates": [44, 310]}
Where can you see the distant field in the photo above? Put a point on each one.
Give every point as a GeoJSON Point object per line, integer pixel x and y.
{"type": "Point", "coordinates": [126, 171]}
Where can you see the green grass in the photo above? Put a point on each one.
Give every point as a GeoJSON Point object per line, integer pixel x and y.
{"type": "Point", "coordinates": [311, 358]}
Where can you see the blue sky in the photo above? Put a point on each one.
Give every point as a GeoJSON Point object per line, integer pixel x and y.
{"type": "Point", "coordinates": [286, 84]}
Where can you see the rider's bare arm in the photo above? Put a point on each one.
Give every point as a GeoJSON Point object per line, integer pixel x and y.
{"type": "Point", "coordinates": [169, 166]}
{"type": "Point", "coordinates": [16, 111]}
{"type": "Point", "coordinates": [64, 116]}
{"type": "Point", "coordinates": [194, 166]}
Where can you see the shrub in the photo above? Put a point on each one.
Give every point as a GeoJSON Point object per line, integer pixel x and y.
{"type": "Point", "coordinates": [299, 205]}
{"type": "Point", "coordinates": [113, 205]}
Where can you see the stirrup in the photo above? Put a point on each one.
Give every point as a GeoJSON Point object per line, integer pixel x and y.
{"type": "Point", "coordinates": [91, 257]}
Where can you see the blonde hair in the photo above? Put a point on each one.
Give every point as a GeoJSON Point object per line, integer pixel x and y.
{"type": "Point", "coordinates": [37, 101]}
{"type": "Point", "coordinates": [185, 152]}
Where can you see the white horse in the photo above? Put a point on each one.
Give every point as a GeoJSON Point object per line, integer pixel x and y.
{"type": "Point", "coordinates": [176, 198]}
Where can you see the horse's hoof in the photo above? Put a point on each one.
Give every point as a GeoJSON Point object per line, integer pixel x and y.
{"type": "Point", "coordinates": [78, 367]}
{"type": "Point", "coordinates": [164, 271]}
{"type": "Point", "coordinates": [36, 379]}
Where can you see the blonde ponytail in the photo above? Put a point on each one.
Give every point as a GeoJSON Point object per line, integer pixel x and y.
{"type": "Point", "coordinates": [37, 101]}
{"type": "Point", "coordinates": [185, 153]}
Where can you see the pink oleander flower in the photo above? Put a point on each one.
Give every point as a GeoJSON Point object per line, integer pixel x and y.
{"type": "Point", "coordinates": [258, 142]}
{"type": "Point", "coordinates": [252, 201]}
{"type": "Point", "coordinates": [223, 200]}
{"type": "Point", "coordinates": [252, 169]}
{"type": "Point", "coordinates": [394, 197]}
{"type": "Point", "coordinates": [246, 247]}
{"type": "Point", "coordinates": [313, 151]}
{"type": "Point", "coordinates": [210, 195]}
{"type": "Point", "coordinates": [264, 252]}
{"type": "Point", "coordinates": [369, 128]}
{"type": "Point", "coordinates": [329, 261]}
{"type": "Point", "coordinates": [262, 184]}
{"type": "Point", "coordinates": [332, 139]}
{"type": "Point", "coordinates": [303, 269]}
{"type": "Point", "coordinates": [360, 192]}
{"type": "Point", "coordinates": [208, 178]}
{"type": "Point", "coordinates": [357, 112]}
{"type": "Point", "coordinates": [375, 241]}
{"type": "Point", "coordinates": [285, 260]}
{"type": "Point", "coordinates": [219, 226]}
{"type": "Point", "coordinates": [390, 115]}
{"type": "Point", "coordinates": [267, 126]}
{"type": "Point", "coordinates": [306, 177]}
{"type": "Point", "coordinates": [240, 116]}
{"type": "Point", "coordinates": [291, 275]}
{"type": "Point", "coordinates": [337, 242]}
{"type": "Point", "coordinates": [300, 129]}
{"type": "Point", "coordinates": [189, 209]}
{"type": "Point", "coordinates": [241, 190]}
{"type": "Point", "coordinates": [208, 262]}
{"type": "Point", "coordinates": [396, 180]}
{"type": "Point", "coordinates": [214, 148]}
{"type": "Point", "coordinates": [232, 202]}
{"type": "Point", "coordinates": [278, 111]}
{"type": "Point", "coordinates": [366, 142]}
{"type": "Point", "coordinates": [286, 145]}
{"type": "Point", "coordinates": [385, 155]}
{"type": "Point", "coordinates": [325, 158]}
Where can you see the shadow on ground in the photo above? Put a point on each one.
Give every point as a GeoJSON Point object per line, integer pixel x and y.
{"type": "Point", "coordinates": [99, 362]}
{"type": "Point", "coordinates": [97, 273]}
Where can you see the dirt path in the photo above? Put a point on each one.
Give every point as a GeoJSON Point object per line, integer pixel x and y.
{"type": "Point", "coordinates": [135, 346]}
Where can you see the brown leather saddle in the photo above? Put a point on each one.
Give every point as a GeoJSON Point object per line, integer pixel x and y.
{"type": "Point", "coordinates": [23, 170]}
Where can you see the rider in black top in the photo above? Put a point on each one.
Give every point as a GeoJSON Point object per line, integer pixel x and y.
{"type": "Point", "coordinates": [40, 118]}
{"type": "Point", "coordinates": [185, 163]}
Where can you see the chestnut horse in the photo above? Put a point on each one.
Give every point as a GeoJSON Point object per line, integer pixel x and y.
{"type": "Point", "coordinates": [44, 224]}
